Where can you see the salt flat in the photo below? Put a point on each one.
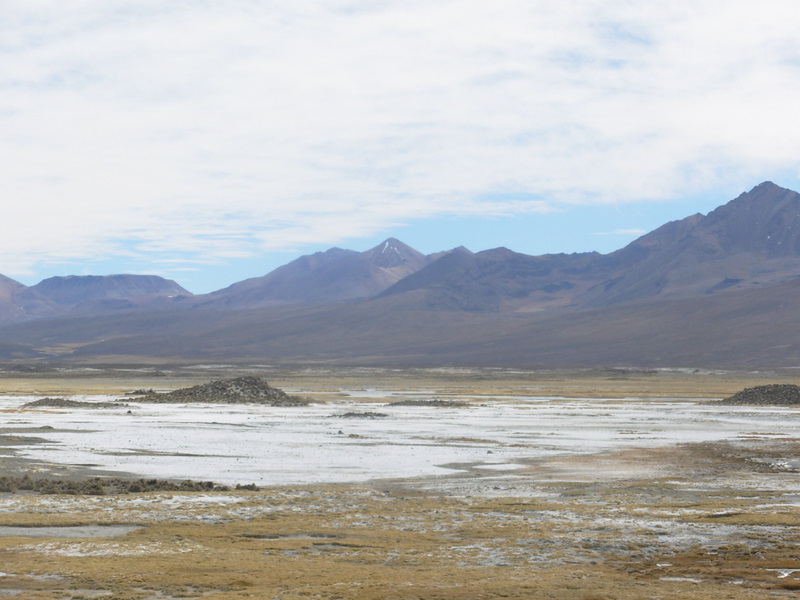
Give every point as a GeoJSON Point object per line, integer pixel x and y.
{"type": "Point", "coordinates": [357, 435]}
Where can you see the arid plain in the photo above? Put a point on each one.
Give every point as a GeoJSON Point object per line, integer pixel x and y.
{"type": "Point", "coordinates": [633, 509]}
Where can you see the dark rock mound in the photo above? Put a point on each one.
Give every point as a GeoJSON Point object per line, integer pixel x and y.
{"type": "Point", "coordinates": [240, 390]}
{"type": "Point", "coordinates": [767, 395]}
{"type": "Point", "coordinates": [64, 403]}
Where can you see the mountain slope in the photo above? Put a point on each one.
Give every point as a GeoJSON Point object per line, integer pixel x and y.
{"type": "Point", "coordinates": [20, 303]}
{"type": "Point", "coordinates": [713, 290]}
{"type": "Point", "coordinates": [752, 240]}
{"type": "Point", "coordinates": [330, 276]}
{"type": "Point", "coordinates": [75, 290]}
{"type": "Point", "coordinates": [754, 328]}
{"type": "Point", "coordinates": [501, 280]}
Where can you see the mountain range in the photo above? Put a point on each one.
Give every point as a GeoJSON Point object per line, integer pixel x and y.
{"type": "Point", "coordinates": [715, 290]}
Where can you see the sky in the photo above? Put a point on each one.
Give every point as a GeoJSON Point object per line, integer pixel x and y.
{"type": "Point", "coordinates": [209, 142]}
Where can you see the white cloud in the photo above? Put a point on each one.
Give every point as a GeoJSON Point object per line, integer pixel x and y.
{"type": "Point", "coordinates": [213, 130]}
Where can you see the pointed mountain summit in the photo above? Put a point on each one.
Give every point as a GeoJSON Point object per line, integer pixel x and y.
{"type": "Point", "coordinates": [752, 240]}
{"type": "Point", "coordinates": [331, 276]}
{"type": "Point", "coordinates": [764, 221]}
{"type": "Point", "coordinates": [393, 253]}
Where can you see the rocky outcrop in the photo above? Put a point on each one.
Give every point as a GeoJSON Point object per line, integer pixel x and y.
{"type": "Point", "coordinates": [240, 390]}
{"type": "Point", "coordinates": [767, 395]}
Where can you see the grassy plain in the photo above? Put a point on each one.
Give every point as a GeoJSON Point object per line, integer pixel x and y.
{"type": "Point", "coordinates": [690, 521]}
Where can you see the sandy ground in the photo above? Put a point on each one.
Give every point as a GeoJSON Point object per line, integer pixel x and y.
{"type": "Point", "coordinates": [700, 520]}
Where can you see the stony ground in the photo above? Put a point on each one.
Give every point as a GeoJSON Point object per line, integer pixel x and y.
{"type": "Point", "coordinates": [696, 521]}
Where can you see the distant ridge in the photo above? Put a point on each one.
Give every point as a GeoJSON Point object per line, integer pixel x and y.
{"type": "Point", "coordinates": [712, 290]}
